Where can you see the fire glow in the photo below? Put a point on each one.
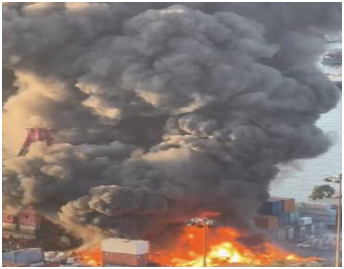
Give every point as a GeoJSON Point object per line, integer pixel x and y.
{"type": "Point", "coordinates": [223, 248]}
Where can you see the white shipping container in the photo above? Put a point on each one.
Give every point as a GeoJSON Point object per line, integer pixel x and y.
{"type": "Point", "coordinates": [50, 254]}
{"type": "Point", "coordinates": [319, 218]}
{"type": "Point", "coordinates": [281, 235]}
{"type": "Point", "coordinates": [290, 233]}
{"type": "Point", "coordinates": [27, 228]}
{"type": "Point", "coordinates": [322, 212]}
{"type": "Point", "coordinates": [315, 206]}
{"type": "Point", "coordinates": [27, 256]}
{"type": "Point", "coordinates": [118, 245]}
{"type": "Point", "coordinates": [305, 221]}
{"type": "Point", "coordinates": [9, 226]}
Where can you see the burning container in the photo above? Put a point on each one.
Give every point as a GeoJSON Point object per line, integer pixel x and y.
{"type": "Point", "coordinates": [267, 222]}
{"type": "Point", "coordinates": [116, 251]}
{"type": "Point", "coordinates": [24, 256]}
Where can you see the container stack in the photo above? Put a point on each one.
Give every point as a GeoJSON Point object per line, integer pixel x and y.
{"type": "Point", "coordinates": [319, 212]}
{"type": "Point", "coordinates": [124, 252]}
{"type": "Point", "coordinates": [30, 257]}
{"type": "Point", "coordinates": [29, 221]}
{"type": "Point", "coordinates": [8, 222]}
{"type": "Point", "coordinates": [280, 217]}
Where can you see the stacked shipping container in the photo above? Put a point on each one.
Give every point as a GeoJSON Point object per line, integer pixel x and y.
{"type": "Point", "coordinates": [124, 252]}
{"type": "Point", "coordinates": [27, 221]}
{"type": "Point", "coordinates": [319, 212]}
{"type": "Point", "coordinates": [279, 215]}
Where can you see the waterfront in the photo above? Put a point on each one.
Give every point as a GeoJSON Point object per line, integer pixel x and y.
{"type": "Point", "coordinates": [299, 179]}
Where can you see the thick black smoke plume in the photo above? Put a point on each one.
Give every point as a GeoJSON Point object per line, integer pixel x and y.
{"type": "Point", "coordinates": [162, 110]}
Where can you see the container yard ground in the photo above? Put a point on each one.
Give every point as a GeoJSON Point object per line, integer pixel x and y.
{"type": "Point", "coordinates": [327, 255]}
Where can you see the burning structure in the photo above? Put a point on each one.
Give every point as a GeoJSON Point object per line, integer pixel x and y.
{"type": "Point", "coordinates": [174, 110]}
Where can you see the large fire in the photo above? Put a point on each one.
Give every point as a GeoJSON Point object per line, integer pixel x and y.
{"type": "Point", "coordinates": [224, 247]}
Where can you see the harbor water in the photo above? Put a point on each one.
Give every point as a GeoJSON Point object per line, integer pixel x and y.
{"type": "Point", "coordinates": [298, 179]}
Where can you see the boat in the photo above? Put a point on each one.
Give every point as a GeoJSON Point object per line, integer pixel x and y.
{"type": "Point", "coordinates": [333, 57]}
{"type": "Point", "coordinates": [333, 39]}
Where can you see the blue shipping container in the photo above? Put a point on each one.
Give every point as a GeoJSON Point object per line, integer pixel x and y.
{"type": "Point", "coordinates": [294, 217]}
{"type": "Point", "coordinates": [271, 208]}
{"type": "Point", "coordinates": [284, 219]}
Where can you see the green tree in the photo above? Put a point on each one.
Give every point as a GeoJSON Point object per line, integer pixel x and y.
{"type": "Point", "coordinates": [321, 192]}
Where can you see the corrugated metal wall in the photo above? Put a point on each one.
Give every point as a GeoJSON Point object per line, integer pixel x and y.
{"type": "Point", "coordinates": [110, 258]}
{"type": "Point", "coordinates": [118, 245]}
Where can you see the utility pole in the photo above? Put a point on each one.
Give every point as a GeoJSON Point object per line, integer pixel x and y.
{"type": "Point", "coordinates": [338, 179]}
{"type": "Point", "coordinates": [203, 223]}
{"type": "Point", "coordinates": [339, 226]}
{"type": "Point", "coordinates": [205, 244]}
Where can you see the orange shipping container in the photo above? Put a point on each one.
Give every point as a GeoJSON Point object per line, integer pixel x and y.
{"type": "Point", "coordinates": [267, 222]}
{"type": "Point", "coordinates": [289, 205]}
{"type": "Point", "coordinates": [110, 258]}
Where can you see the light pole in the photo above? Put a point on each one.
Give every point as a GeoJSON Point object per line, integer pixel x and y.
{"type": "Point", "coordinates": [338, 180]}
{"type": "Point", "coordinates": [204, 223]}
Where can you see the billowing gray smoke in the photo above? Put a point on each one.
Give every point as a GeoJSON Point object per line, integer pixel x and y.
{"type": "Point", "coordinates": [162, 110]}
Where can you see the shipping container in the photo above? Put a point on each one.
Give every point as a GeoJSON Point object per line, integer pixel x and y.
{"type": "Point", "coordinates": [289, 205]}
{"type": "Point", "coordinates": [9, 226]}
{"type": "Point", "coordinates": [124, 259]}
{"type": "Point", "coordinates": [8, 218]}
{"type": "Point", "coordinates": [267, 222]}
{"type": "Point", "coordinates": [119, 245]}
{"type": "Point", "coordinates": [294, 217]}
{"type": "Point", "coordinates": [50, 254]}
{"type": "Point", "coordinates": [27, 256]}
{"type": "Point", "coordinates": [310, 229]}
{"type": "Point", "coordinates": [272, 207]}
{"type": "Point", "coordinates": [281, 234]}
{"type": "Point", "coordinates": [29, 218]}
{"type": "Point", "coordinates": [315, 205]}
{"type": "Point", "coordinates": [27, 228]}
{"type": "Point", "coordinates": [300, 231]}
{"type": "Point", "coordinates": [290, 233]}
{"type": "Point", "coordinates": [283, 219]}
{"type": "Point", "coordinates": [315, 211]}
{"type": "Point", "coordinates": [305, 221]}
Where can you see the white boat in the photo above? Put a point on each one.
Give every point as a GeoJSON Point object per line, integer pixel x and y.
{"type": "Point", "coordinates": [333, 57]}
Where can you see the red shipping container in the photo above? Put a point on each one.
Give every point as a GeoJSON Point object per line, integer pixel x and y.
{"type": "Point", "coordinates": [29, 218]}
{"type": "Point", "coordinates": [8, 218]}
{"type": "Point", "coordinates": [267, 222]}
{"type": "Point", "coordinates": [110, 258]}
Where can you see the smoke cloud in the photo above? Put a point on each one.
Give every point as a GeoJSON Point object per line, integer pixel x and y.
{"type": "Point", "coordinates": [161, 110]}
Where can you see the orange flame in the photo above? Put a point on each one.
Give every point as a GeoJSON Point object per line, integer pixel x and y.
{"type": "Point", "coordinates": [90, 257]}
{"type": "Point", "coordinates": [223, 249]}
